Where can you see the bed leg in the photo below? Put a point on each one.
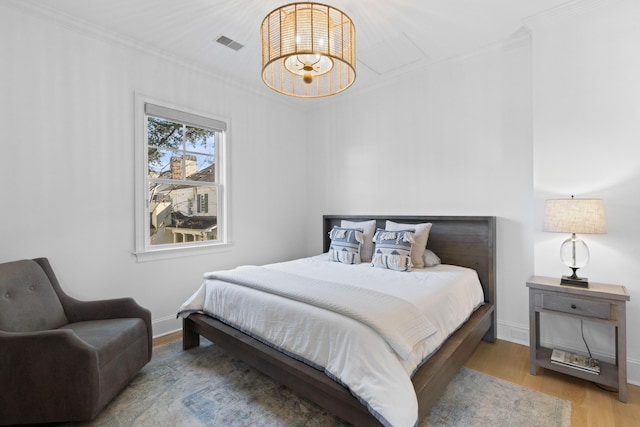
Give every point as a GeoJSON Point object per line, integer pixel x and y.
{"type": "Point", "coordinates": [492, 333]}
{"type": "Point", "coordinates": [190, 338]}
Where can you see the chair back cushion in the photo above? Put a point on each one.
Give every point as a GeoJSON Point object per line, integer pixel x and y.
{"type": "Point", "coordinates": [28, 302]}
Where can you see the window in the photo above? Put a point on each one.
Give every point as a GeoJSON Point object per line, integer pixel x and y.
{"type": "Point", "coordinates": [181, 186]}
{"type": "Point", "coordinates": [203, 203]}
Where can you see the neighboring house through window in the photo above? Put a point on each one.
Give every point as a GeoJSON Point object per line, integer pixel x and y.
{"type": "Point", "coordinates": [181, 203]}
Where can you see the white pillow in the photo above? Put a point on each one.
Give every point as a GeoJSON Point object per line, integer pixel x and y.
{"type": "Point", "coordinates": [430, 258]}
{"type": "Point", "coordinates": [421, 235]}
{"type": "Point", "coordinates": [369, 229]}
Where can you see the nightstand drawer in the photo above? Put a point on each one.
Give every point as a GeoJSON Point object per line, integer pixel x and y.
{"type": "Point", "coordinates": [578, 306]}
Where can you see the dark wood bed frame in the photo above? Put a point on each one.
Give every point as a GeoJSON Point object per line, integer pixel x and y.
{"type": "Point", "coordinates": [468, 241]}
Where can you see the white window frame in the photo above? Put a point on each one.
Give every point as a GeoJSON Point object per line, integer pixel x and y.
{"type": "Point", "coordinates": [144, 251]}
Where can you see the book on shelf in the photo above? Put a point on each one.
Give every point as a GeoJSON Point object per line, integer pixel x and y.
{"type": "Point", "coordinates": [575, 361]}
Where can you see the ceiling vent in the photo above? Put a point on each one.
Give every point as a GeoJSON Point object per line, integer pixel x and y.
{"type": "Point", "coordinates": [229, 43]}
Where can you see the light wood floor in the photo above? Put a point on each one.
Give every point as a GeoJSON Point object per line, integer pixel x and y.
{"type": "Point", "coordinates": [165, 339]}
{"type": "Point", "coordinates": [590, 405]}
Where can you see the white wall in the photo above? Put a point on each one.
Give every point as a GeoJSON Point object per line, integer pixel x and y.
{"type": "Point", "coordinates": [587, 138]}
{"type": "Point", "coordinates": [67, 170]}
{"type": "Point", "coordinates": [452, 139]}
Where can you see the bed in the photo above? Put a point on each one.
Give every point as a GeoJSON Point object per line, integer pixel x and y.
{"type": "Point", "coordinates": [467, 241]}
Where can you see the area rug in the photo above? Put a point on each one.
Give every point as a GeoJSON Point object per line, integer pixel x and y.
{"type": "Point", "coordinates": [205, 387]}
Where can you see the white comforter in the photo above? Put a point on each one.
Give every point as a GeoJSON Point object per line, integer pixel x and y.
{"type": "Point", "coordinates": [346, 349]}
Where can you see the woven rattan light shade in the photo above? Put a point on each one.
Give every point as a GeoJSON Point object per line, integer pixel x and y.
{"type": "Point", "coordinates": [308, 50]}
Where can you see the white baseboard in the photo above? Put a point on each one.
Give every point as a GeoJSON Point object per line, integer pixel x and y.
{"type": "Point", "coordinates": [633, 371]}
{"type": "Point", "coordinates": [513, 333]}
{"type": "Point", "coordinates": [165, 325]}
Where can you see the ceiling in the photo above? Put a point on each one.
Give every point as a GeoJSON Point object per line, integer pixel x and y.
{"type": "Point", "coordinates": [393, 36]}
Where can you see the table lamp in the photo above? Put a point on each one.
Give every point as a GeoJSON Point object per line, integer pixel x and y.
{"type": "Point", "coordinates": [575, 216]}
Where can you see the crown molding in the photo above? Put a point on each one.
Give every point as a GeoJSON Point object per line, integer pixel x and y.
{"type": "Point", "coordinates": [565, 11]}
{"type": "Point", "coordinates": [513, 42]}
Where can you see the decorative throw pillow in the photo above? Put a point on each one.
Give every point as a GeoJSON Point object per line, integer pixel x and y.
{"type": "Point", "coordinates": [393, 249]}
{"type": "Point", "coordinates": [430, 258]}
{"type": "Point", "coordinates": [345, 245]}
{"type": "Point", "coordinates": [421, 235]}
{"type": "Point", "coordinates": [368, 229]}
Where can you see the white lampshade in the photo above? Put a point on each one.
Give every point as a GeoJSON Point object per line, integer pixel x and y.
{"type": "Point", "coordinates": [580, 216]}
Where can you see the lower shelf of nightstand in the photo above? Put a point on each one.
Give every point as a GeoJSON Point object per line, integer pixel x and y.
{"type": "Point", "coordinates": [608, 372]}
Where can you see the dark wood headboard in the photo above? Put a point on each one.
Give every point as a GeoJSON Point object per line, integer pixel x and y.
{"type": "Point", "coordinates": [468, 241]}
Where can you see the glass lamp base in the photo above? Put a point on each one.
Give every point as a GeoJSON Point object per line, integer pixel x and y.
{"type": "Point", "coordinates": [574, 254]}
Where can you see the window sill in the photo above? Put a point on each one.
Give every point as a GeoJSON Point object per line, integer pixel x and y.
{"type": "Point", "coordinates": [179, 252]}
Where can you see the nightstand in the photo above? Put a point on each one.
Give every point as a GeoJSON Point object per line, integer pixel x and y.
{"type": "Point", "coordinates": [599, 302]}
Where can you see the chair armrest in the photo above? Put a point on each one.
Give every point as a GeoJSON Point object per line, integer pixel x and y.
{"type": "Point", "coordinates": [41, 372]}
{"type": "Point", "coordinates": [79, 311]}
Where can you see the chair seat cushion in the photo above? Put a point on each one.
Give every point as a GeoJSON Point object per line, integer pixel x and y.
{"type": "Point", "coordinates": [110, 337]}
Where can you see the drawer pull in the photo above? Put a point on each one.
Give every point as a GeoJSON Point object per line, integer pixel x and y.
{"type": "Point", "coordinates": [573, 306]}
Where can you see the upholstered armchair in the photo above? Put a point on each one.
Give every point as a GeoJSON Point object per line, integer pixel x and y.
{"type": "Point", "coordinates": [62, 359]}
